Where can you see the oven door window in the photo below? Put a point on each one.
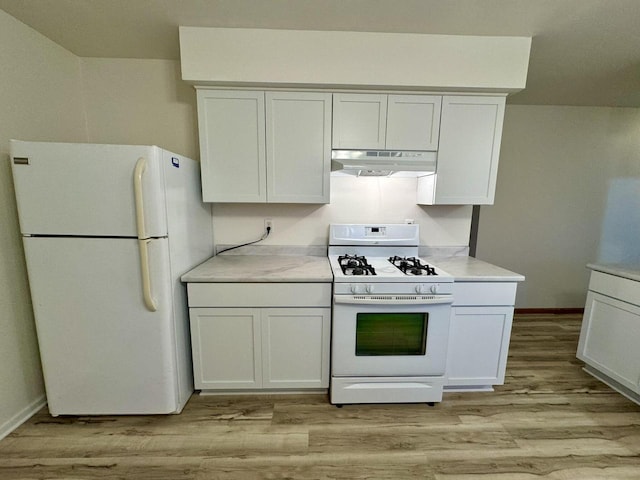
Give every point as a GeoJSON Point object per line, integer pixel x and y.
{"type": "Point", "coordinates": [398, 334]}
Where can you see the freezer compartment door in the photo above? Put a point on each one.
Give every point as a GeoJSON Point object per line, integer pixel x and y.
{"type": "Point", "coordinates": [102, 350]}
{"type": "Point", "coordinates": [86, 189]}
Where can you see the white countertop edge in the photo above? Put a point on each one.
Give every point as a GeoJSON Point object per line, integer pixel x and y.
{"type": "Point", "coordinates": [186, 279]}
{"type": "Point", "coordinates": [631, 272]}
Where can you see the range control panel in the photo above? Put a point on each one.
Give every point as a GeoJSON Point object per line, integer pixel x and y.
{"type": "Point", "coordinates": [375, 231]}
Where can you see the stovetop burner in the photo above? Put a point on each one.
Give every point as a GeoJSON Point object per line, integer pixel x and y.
{"type": "Point", "coordinates": [355, 265]}
{"type": "Point", "coordinates": [412, 266]}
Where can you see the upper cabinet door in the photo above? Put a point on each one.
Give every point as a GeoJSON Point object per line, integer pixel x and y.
{"type": "Point", "coordinates": [470, 135]}
{"type": "Point", "coordinates": [232, 145]}
{"type": "Point", "coordinates": [359, 121]}
{"type": "Point", "coordinates": [413, 122]}
{"type": "Point", "coordinates": [298, 147]}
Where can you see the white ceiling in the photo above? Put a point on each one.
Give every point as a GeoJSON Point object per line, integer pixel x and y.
{"type": "Point", "coordinates": [584, 52]}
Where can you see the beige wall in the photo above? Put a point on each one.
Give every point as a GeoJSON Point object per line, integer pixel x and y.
{"type": "Point", "coordinates": [39, 100]}
{"type": "Point", "coordinates": [556, 167]}
{"type": "Point", "coordinates": [140, 102]}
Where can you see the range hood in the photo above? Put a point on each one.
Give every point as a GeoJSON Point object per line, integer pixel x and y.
{"type": "Point", "coordinates": [382, 163]}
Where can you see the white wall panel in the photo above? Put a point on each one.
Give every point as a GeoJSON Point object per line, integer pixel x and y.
{"type": "Point", "coordinates": [286, 57]}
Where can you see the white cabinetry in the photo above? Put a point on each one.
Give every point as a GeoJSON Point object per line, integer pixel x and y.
{"type": "Point", "coordinates": [293, 352]}
{"type": "Point", "coordinates": [265, 146]}
{"type": "Point", "coordinates": [610, 334]}
{"type": "Point", "coordinates": [260, 336]}
{"type": "Point", "coordinates": [468, 153]}
{"type": "Point", "coordinates": [226, 345]}
{"type": "Point", "coordinates": [232, 146]}
{"type": "Point", "coordinates": [481, 320]}
{"type": "Point", "coordinates": [298, 147]}
{"type": "Point", "coordinates": [392, 122]}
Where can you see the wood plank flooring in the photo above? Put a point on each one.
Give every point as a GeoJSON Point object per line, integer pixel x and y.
{"type": "Point", "coordinates": [549, 421]}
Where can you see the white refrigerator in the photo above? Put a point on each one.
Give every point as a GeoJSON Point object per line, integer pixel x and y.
{"type": "Point", "coordinates": [107, 231]}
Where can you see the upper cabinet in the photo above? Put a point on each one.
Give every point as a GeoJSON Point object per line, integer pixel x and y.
{"type": "Point", "coordinates": [298, 147]}
{"type": "Point", "coordinates": [232, 146]}
{"type": "Point", "coordinates": [265, 146]}
{"type": "Point", "coordinates": [391, 122]}
{"type": "Point", "coordinates": [275, 146]}
{"type": "Point", "coordinates": [470, 135]}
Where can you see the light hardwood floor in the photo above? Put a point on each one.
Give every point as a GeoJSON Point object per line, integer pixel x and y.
{"type": "Point", "coordinates": [549, 421]}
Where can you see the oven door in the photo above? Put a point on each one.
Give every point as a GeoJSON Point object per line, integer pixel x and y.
{"type": "Point", "coordinates": [379, 335]}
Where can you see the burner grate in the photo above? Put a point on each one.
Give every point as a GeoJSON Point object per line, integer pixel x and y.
{"type": "Point", "coordinates": [412, 266]}
{"type": "Point", "coordinates": [355, 265]}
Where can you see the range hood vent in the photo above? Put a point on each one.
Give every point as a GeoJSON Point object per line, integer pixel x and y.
{"type": "Point", "coordinates": [381, 163]}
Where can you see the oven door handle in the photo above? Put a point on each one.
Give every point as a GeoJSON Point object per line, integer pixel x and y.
{"type": "Point", "coordinates": [393, 299]}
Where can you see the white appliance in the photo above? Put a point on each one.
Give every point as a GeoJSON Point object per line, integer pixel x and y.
{"type": "Point", "coordinates": [107, 232]}
{"type": "Point", "coordinates": [391, 314]}
{"type": "Point", "coordinates": [382, 163]}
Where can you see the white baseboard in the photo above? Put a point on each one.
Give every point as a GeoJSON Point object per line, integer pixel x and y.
{"type": "Point", "coordinates": [22, 416]}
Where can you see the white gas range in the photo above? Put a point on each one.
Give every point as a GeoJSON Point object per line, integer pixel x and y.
{"type": "Point", "coordinates": [391, 312]}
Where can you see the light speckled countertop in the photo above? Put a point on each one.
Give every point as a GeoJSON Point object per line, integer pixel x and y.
{"type": "Point", "coordinates": [630, 271]}
{"type": "Point", "coordinates": [261, 268]}
{"type": "Point", "coordinates": [305, 268]}
{"type": "Point", "coordinates": [470, 269]}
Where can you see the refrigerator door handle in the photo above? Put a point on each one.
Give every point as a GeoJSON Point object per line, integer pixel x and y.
{"type": "Point", "coordinates": [143, 241]}
{"type": "Point", "coordinates": [141, 165]}
{"type": "Point", "coordinates": [149, 302]}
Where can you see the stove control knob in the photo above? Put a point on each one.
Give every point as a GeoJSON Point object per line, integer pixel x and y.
{"type": "Point", "coordinates": [369, 288]}
{"type": "Point", "coordinates": [355, 289]}
{"type": "Point", "coordinates": [420, 289]}
{"type": "Point", "coordinates": [434, 289]}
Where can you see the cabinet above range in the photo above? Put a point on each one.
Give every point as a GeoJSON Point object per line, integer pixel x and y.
{"type": "Point", "coordinates": [468, 152]}
{"type": "Point", "coordinates": [386, 122]}
{"type": "Point", "coordinates": [388, 68]}
{"type": "Point", "coordinates": [277, 146]}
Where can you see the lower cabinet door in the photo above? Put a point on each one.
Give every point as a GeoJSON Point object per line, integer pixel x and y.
{"type": "Point", "coordinates": [226, 348]}
{"type": "Point", "coordinates": [260, 348]}
{"type": "Point", "coordinates": [295, 347]}
{"type": "Point", "coordinates": [478, 345]}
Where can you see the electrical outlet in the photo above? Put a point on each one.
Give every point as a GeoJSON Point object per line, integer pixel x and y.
{"type": "Point", "coordinates": [268, 223]}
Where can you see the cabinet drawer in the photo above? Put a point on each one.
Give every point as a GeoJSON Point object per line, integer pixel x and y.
{"type": "Point", "coordinates": [484, 293]}
{"type": "Point", "coordinates": [616, 287]}
{"type": "Point", "coordinates": [259, 294]}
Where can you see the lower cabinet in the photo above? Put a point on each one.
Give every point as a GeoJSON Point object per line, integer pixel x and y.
{"type": "Point", "coordinates": [240, 348]}
{"type": "Point", "coordinates": [479, 335]}
{"type": "Point", "coordinates": [610, 333]}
